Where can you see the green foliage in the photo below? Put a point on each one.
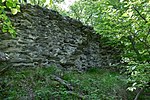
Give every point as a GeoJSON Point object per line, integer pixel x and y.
{"type": "Point", "coordinates": [45, 3]}
{"type": "Point", "coordinates": [99, 84]}
{"type": "Point", "coordinates": [59, 1]}
{"type": "Point", "coordinates": [41, 3]}
{"type": "Point", "coordinates": [123, 23]}
{"type": "Point", "coordinates": [37, 83]}
{"type": "Point", "coordinates": [5, 23]}
{"type": "Point", "coordinates": [139, 75]}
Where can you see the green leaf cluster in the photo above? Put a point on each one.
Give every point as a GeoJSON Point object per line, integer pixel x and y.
{"type": "Point", "coordinates": [42, 3]}
{"type": "Point", "coordinates": [5, 7]}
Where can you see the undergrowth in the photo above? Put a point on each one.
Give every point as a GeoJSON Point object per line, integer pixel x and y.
{"type": "Point", "coordinates": [48, 83]}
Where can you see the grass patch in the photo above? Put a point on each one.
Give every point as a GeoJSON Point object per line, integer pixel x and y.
{"type": "Point", "coordinates": [38, 84]}
{"type": "Point", "coordinates": [99, 84]}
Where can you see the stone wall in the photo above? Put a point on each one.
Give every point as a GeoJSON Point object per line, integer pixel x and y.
{"type": "Point", "coordinates": [46, 38]}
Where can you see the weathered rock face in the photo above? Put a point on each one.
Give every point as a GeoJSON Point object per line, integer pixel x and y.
{"type": "Point", "coordinates": [46, 38]}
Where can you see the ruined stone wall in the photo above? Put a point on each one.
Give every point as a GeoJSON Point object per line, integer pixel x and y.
{"type": "Point", "coordinates": [46, 38]}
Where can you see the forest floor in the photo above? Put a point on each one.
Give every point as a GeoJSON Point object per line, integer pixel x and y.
{"type": "Point", "coordinates": [51, 83]}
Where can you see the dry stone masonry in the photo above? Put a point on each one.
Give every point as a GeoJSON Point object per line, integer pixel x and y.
{"type": "Point", "coordinates": [46, 38]}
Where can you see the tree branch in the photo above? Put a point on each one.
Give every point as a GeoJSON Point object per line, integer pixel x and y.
{"type": "Point", "coordinates": [147, 46]}
{"type": "Point", "coordinates": [77, 95]}
{"type": "Point", "coordinates": [138, 94]}
{"type": "Point", "coordinates": [63, 82]}
{"type": "Point", "coordinates": [140, 14]}
{"type": "Point", "coordinates": [88, 18]}
{"type": "Point", "coordinates": [133, 45]}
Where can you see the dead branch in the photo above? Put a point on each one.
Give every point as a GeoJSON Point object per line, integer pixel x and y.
{"type": "Point", "coordinates": [4, 70]}
{"type": "Point", "coordinates": [63, 82]}
{"type": "Point", "coordinates": [77, 95]}
{"type": "Point", "coordinates": [138, 94]}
